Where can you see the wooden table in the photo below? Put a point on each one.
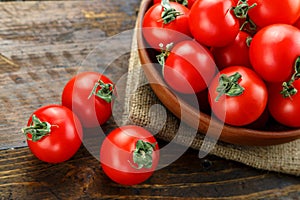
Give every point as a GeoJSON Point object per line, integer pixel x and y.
{"type": "Point", "coordinates": [42, 45]}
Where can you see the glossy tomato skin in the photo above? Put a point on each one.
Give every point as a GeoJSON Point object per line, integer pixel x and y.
{"type": "Point", "coordinates": [284, 110]}
{"type": "Point", "coordinates": [190, 3]}
{"type": "Point", "coordinates": [92, 111]}
{"type": "Point", "coordinates": [267, 12]}
{"type": "Point", "coordinates": [243, 109]}
{"type": "Point", "coordinates": [297, 23]}
{"type": "Point", "coordinates": [213, 23]}
{"type": "Point", "coordinates": [235, 53]}
{"type": "Point", "coordinates": [64, 139]}
{"type": "Point", "coordinates": [189, 68]}
{"type": "Point", "coordinates": [156, 32]}
{"type": "Point", "coordinates": [273, 51]}
{"type": "Point", "coordinates": [116, 155]}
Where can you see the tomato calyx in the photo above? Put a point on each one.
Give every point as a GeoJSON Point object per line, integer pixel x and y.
{"type": "Point", "coordinates": [169, 14]}
{"type": "Point", "coordinates": [228, 85]}
{"type": "Point", "coordinates": [165, 52]}
{"type": "Point", "coordinates": [241, 11]}
{"type": "Point", "coordinates": [288, 90]}
{"type": "Point", "coordinates": [142, 155]}
{"type": "Point", "coordinates": [248, 41]}
{"type": "Point", "coordinates": [105, 91]}
{"type": "Point", "coordinates": [242, 8]}
{"type": "Point", "coordinates": [251, 28]}
{"type": "Point", "coordinates": [37, 130]}
{"type": "Point", "coordinates": [183, 2]}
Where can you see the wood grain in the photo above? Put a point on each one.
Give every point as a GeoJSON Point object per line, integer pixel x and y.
{"type": "Point", "coordinates": [42, 45]}
{"type": "Point", "coordinates": [22, 175]}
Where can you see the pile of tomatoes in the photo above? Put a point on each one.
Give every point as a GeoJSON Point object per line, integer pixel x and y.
{"type": "Point", "coordinates": [54, 132]}
{"type": "Point", "coordinates": [245, 54]}
{"type": "Point", "coordinates": [242, 56]}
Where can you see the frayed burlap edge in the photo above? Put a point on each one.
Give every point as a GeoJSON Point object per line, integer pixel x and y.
{"type": "Point", "coordinates": [143, 108]}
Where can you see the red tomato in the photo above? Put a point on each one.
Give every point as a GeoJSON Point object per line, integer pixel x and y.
{"type": "Point", "coordinates": [238, 96]}
{"type": "Point", "coordinates": [213, 23]}
{"type": "Point", "coordinates": [89, 99]}
{"type": "Point", "coordinates": [191, 3]}
{"type": "Point", "coordinates": [156, 30]}
{"type": "Point", "coordinates": [189, 67]}
{"type": "Point", "coordinates": [235, 53]}
{"type": "Point", "coordinates": [53, 133]}
{"type": "Point", "coordinates": [297, 23]}
{"type": "Point", "coordinates": [267, 12]}
{"type": "Point", "coordinates": [129, 155]}
{"type": "Point", "coordinates": [285, 110]}
{"type": "Point", "coordinates": [273, 51]}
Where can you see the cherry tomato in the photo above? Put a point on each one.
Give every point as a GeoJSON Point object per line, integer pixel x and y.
{"type": "Point", "coordinates": [213, 23]}
{"type": "Point", "coordinates": [173, 27]}
{"type": "Point", "coordinates": [53, 133]}
{"type": "Point", "coordinates": [235, 53]}
{"type": "Point", "coordinates": [267, 12]}
{"type": "Point", "coordinates": [297, 23]}
{"type": "Point", "coordinates": [273, 51]}
{"type": "Point", "coordinates": [285, 110]}
{"type": "Point", "coordinates": [238, 96]}
{"type": "Point", "coordinates": [89, 96]}
{"type": "Point", "coordinates": [129, 155]}
{"type": "Point", "coordinates": [189, 67]}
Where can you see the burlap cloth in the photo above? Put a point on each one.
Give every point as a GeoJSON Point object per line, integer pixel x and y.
{"type": "Point", "coordinates": [284, 158]}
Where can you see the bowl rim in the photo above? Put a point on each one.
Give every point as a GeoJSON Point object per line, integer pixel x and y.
{"type": "Point", "coordinates": [200, 120]}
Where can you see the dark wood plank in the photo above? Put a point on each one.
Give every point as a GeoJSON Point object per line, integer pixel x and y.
{"type": "Point", "coordinates": [43, 43]}
{"type": "Point", "coordinates": [23, 176]}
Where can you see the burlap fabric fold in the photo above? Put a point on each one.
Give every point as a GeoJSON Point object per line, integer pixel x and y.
{"type": "Point", "coordinates": [143, 108]}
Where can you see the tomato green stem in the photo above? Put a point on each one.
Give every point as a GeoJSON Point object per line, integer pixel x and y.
{"type": "Point", "coordinates": [288, 90]}
{"type": "Point", "coordinates": [251, 25]}
{"type": "Point", "coordinates": [241, 11]}
{"type": "Point", "coordinates": [228, 85]}
{"type": "Point", "coordinates": [37, 129]}
{"type": "Point", "coordinates": [248, 41]}
{"type": "Point", "coordinates": [242, 8]}
{"type": "Point", "coordinates": [169, 14]}
{"type": "Point", "coordinates": [142, 155]}
{"type": "Point", "coordinates": [165, 52]}
{"type": "Point", "coordinates": [182, 2]}
{"type": "Point", "coordinates": [105, 91]}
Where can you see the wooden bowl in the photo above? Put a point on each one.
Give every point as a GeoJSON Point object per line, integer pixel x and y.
{"type": "Point", "coordinates": [275, 134]}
